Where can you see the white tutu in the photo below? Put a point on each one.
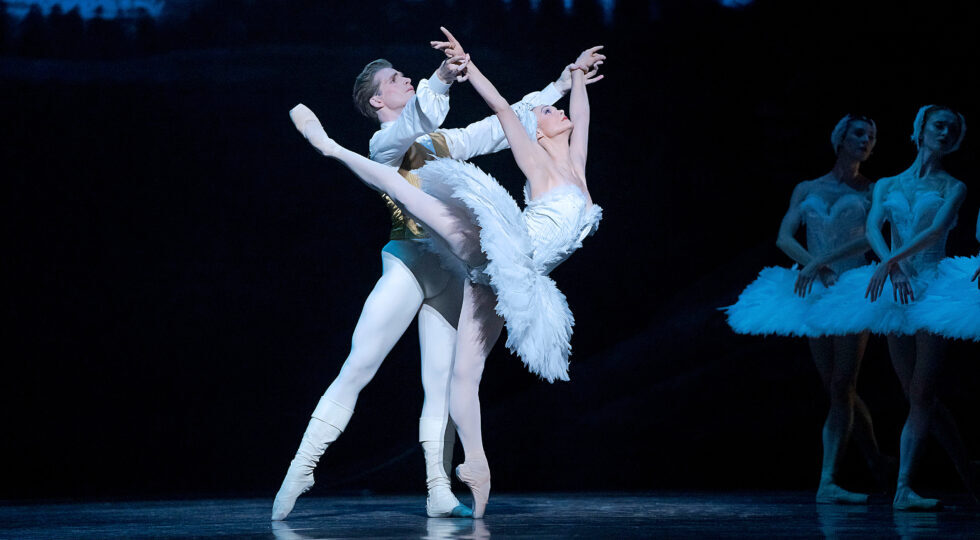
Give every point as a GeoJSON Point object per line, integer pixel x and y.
{"type": "Point", "coordinates": [845, 310]}
{"type": "Point", "coordinates": [951, 305]}
{"type": "Point", "coordinates": [769, 305]}
{"type": "Point", "coordinates": [521, 249]}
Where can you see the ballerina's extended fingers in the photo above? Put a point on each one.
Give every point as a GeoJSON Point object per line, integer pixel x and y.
{"type": "Point", "coordinates": [450, 47]}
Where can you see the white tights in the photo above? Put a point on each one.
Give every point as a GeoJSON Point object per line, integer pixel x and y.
{"type": "Point", "coordinates": [395, 300]}
{"type": "Point", "coordinates": [479, 325]}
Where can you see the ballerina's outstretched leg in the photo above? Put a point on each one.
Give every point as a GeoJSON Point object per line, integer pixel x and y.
{"type": "Point", "coordinates": [461, 236]}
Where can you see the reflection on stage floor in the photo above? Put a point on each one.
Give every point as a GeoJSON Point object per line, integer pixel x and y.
{"type": "Point", "coordinates": [565, 515]}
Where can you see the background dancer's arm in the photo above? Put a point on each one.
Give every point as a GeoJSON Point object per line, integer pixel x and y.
{"type": "Point", "coordinates": [901, 287]}
{"type": "Point", "coordinates": [876, 219]}
{"type": "Point", "coordinates": [941, 223]}
{"type": "Point", "coordinates": [812, 266]}
{"type": "Point", "coordinates": [786, 241]}
{"type": "Point", "coordinates": [578, 107]}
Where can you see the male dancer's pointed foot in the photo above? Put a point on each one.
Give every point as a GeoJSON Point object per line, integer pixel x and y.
{"type": "Point", "coordinates": [476, 476]}
{"type": "Point", "coordinates": [906, 499]}
{"type": "Point", "coordinates": [441, 503]}
{"type": "Point", "coordinates": [299, 480]}
{"type": "Point", "coordinates": [460, 510]}
{"type": "Point", "coordinates": [831, 493]}
{"type": "Point", "coordinates": [310, 127]}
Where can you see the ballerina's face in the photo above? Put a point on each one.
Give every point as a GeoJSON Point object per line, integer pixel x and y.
{"type": "Point", "coordinates": [941, 131]}
{"type": "Point", "coordinates": [394, 89]}
{"type": "Point", "coordinates": [551, 121]}
{"type": "Point", "coordinates": [860, 140]}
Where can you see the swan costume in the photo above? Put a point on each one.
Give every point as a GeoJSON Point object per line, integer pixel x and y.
{"type": "Point", "coordinates": [945, 301]}
{"type": "Point", "coordinates": [769, 305]}
{"type": "Point", "coordinates": [522, 247]}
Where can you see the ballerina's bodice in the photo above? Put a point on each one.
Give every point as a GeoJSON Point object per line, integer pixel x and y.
{"type": "Point", "coordinates": [557, 222]}
{"type": "Point", "coordinates": [832, 225]}
{"type": "Point", "coordinates": [910, 214]}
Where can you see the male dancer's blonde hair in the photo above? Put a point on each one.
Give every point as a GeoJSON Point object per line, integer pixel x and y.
{"type": "Point", "coordinates": [365, 87]}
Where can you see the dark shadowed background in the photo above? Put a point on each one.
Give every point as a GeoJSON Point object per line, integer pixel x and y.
{"type": "Point", "coordinates": [184, 272]}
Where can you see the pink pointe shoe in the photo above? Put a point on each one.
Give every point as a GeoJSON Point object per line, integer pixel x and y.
{"type": "Point", "coordinates": [476, 476]}
{"type": "Point", "coordinates": [309, 125]}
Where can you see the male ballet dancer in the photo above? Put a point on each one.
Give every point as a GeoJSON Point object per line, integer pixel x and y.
{"type": "Point", "coordinates": [412, 280]}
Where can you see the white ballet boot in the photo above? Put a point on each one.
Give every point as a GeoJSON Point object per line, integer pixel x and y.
{"type": "Point", "coordinates": [328, 422]}
{"type": "Point", "coordinates": [437, 438]}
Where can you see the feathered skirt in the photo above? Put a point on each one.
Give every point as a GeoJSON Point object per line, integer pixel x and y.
{"type": "Point", "coordinates": [536, 314]}
{"type": "Point", "coordinates": [945, 302]}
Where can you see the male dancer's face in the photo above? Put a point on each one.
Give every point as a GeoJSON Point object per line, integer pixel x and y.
{"type": "Point", "coordinates": [394, 89]}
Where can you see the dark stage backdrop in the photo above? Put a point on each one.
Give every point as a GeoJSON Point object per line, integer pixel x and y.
{"type": "Point", "coordinates": [184, 272]}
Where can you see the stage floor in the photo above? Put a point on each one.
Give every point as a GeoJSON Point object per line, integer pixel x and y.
{"type": "Point", "coordinates": [586, 515]}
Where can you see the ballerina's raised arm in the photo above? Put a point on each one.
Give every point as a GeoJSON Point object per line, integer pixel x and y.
{"type": "Point", "coordinates": [546, 164]}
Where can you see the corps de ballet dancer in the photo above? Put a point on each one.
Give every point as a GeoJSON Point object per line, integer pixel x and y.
{"type": "Point", "coordinates": [413, 283]}
{"type": "Point", "coordinates": [833, 208]}
{"type": "Point", "coordinates": [920, 205]}
{"type": "Point", "coordinates": [507, 253]}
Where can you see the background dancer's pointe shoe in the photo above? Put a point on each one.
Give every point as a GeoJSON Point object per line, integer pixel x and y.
{"type": "Point", "coordinates": [830, 493]}
{"type": "Point", "coordinates": [328, 422]}
{"type": "Point", "coordinates": [476, 476]}
{"type": "Point", "coordinates": [309, 125]}
{"type": "Point", "coordinates": [906, 499]}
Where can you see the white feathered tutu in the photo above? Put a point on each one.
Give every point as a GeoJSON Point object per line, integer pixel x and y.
{"type": "Point", "coordinates": [770, 306]}
{"type": "Point", "coordinates": [945, 302]}
{"type": "Point", "coordinates": [845, 310]}
{"type": "Point", "coordinates": [522, 247]}
{"type": "Point", "coordinates": [951, 305]}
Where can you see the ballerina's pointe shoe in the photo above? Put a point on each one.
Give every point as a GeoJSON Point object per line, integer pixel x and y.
{"type": "Point", "coordinates": [310, 127]}
{"type": "Point", "coordinates": [906, 499]}
{"type": "Point", "coordinates": [834, 494]}
{"type": "Point", "coordinates": [476, 476]}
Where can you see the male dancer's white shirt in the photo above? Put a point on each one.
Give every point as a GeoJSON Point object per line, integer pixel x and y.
{"type": "Point", "coordinates": [425, 112]}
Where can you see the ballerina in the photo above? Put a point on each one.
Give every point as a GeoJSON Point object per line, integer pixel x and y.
{"type": "Point", "coordinates": [509, 252]}
{"type": "Point", "coordinates": [921, 205]}
{"type": "Point", "coordinates": [782, 301]}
